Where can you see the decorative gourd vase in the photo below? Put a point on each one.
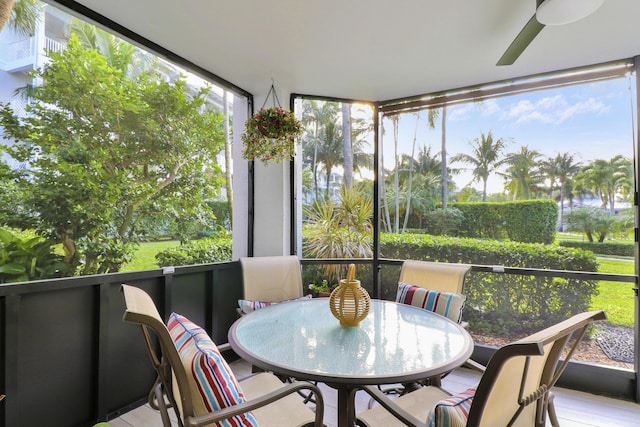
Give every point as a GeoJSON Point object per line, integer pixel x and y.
{"type": "Point", "coordinates": [350, 302]}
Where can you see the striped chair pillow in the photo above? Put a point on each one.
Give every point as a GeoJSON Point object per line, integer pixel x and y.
{"type": "Point", "coordinates": [452, 412]}
{"type": "Point", "coordinates": [447, 304]}
{"type": "Point", "coordinates": [212, 383]}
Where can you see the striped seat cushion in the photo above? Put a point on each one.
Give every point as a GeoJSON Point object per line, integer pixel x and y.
{"type": "Point", "coordinates": [452, 412]}
{"type": "Point", "coordinates": [447, 304]}
{"type": "Point", "coordinates": [212, 383]}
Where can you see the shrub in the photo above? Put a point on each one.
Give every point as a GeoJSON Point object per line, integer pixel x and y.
{"type": "Point", "coordinates": [25, 256]}
{"type": "Point", "coordinates": [444, 222]}
{"type": "Point", "coordinates": [595, 223]}
{"type": "Point", "coordinates": [529, 221]}
{"type": "Point", "coordinates": [604, 248]}
{"type": "Point", "coordinates": [505, 304]}
{"type": "Point", "coordinates": [217, 249]}
{"type": "Point", "coordinates": [482, 220]}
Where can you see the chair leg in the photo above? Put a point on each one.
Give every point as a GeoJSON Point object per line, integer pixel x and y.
{"type": "Point", "coordinates": [162, 406]}
{"type": "Point", "coordinates": [551, 408]}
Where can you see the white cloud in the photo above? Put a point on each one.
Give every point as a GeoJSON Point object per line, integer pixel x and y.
{"type": "Point", "coordinates": [459, 113]}
{"type": "Point", "coordinates": [552, 110]}
{"type": "Point", "coordinates": [489, 108]}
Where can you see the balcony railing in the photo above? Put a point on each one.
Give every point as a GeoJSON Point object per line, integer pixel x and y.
{"type": "Point", "coordinates": [21, 55]}
{"type": "Point", "coordinates": [67, 356]}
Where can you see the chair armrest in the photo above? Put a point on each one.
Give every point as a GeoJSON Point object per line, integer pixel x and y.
{"type": "Point", "coordinates": [472, 364]}
{"type": "Point", "coordinates": [223, 347]}
{"type": "Point", "coordinates": [264, 400]}
{"type": "Point", "coordinates": [388, 404]}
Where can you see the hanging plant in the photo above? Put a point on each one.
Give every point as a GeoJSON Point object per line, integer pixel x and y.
{"type": "Point", "coordinates": [271, 135]}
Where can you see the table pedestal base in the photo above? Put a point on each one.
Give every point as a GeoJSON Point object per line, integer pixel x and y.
{"type": "Point", "coordinates": [346, 404]}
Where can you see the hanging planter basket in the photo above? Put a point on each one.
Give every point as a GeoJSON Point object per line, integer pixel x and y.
{"type": "Point", "coordinates": [270, 135]}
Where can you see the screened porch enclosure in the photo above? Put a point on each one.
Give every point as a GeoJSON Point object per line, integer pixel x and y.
{"type": "Point", "coordinates": [532, 181]}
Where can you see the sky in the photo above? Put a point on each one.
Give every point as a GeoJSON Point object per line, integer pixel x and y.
{"type": "Point", "coordinates": [590, 121]}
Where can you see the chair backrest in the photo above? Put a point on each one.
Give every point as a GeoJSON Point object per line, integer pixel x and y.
{"type": "Point", "coordinates": [271, 278]}
{"type": "Point", "coordinates": [435, 276]}
{"type": "Point", "coordinates": [141, 309]}
{"type": "Point", "coordinates": [513, 391]}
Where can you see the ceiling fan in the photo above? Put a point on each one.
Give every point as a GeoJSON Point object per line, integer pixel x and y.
{"type": "Point", "coordinates": [548, 12]}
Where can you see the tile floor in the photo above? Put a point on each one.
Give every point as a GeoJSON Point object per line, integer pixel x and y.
{"type": "Point", "coordinates": [574, 409]}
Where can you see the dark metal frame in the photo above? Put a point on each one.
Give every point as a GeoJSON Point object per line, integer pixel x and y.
{"type": "Point", "coordinates": [610, 70]}
{"type": "Point", "coordinates": [10, 313]}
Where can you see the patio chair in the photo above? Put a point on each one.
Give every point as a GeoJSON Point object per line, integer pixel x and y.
{"type": "Point", "coordinates": [435, 276]}
{"type": "Point", "coordinates": [447, 280]}
{"type": "Point", "coordinates": [269, 279]}
{"type": "Point", "coordinates": [197, 383]}
{"type": "Point", "coordinates": [515, 389]}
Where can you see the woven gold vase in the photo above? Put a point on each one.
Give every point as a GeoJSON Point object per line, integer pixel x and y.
{"type": "Point", "coordinates": [350, 302]}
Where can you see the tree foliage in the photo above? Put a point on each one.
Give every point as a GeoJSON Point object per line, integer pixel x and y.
{"type": "Point", "coordinates": [104, 151]}
{"type": "Point", "coordinates": [342, 229]}
{"type": "Point", "coordinates": [484, 159]}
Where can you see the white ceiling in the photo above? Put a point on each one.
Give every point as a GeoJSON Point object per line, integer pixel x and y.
{"type": "Point", "coordinates": [371, 50]}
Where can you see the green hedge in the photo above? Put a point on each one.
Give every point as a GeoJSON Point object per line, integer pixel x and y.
{"type": "Point", "coordinates": [505, 304]}
{"type": "Point", "coordinates": [528, 221]}
{"type": "Point", "coordinates": [197, 252]}
{"type": "Point", "coordinates": [604, 248]}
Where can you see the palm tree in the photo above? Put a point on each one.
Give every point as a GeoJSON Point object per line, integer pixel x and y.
{"type": "Point", "coordinates": [522, 173]}
{"type": "Point", "coordinates": [347, 153]}
{"type": "Point", "coordinates": [396, 179]}
{"type": "Point", "coordinates": [330, 151]}
{"type": "Point", "coordinates": [341, 229]}
{"type": "Point", "coordinates": [316, 114]}
{"type": "Point", "coordinates": [485, 158]}
{"type": "Point", "coordinates": [410, 181]}
{"type": "Point", "coordinates": [605, 178]}
{"type": "Point", "coordinates": [118, 53]}
{"type": "Point", "coordinates": [24, 16]}
{"type": "Point", "coordinates": [443, 156]}
{"type": "Point", "coordinates": [561, 168]}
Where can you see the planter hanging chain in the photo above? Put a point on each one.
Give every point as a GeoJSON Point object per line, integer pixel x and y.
{"type": "Point", "coordinates": [274, 97]}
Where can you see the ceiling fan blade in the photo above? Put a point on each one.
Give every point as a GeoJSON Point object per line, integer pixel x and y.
{"type": "Point", "coordinates": [522, 40]}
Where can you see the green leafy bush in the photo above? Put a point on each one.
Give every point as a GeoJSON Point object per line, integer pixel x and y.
{"type": "Point", "coordinates": [444, 222]}
{"type": "Point", "coordinates": [25, 256]}
{"type": "Point", "coordinates": [529, 221]}
{"type": "Point", "coordinates": [216, 249]}
{"type": "Point", "coordinates": [604, 248]}
{"type": "Point", "coordinates": [482, 220]}
{"type": "Point", "coordinates": [595, 223]}
{"type": "Point", "coordinates": [505, 304]}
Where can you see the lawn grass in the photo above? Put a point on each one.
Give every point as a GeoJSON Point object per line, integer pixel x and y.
{"type": "Point", "coordinates": [616, 298]}
{"type": "Point", "coordinates": [569, 236]}
{"type": "Point", "coordinates": [145, 257]}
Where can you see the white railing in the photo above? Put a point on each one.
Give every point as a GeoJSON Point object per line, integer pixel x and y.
{"type": "Point", "coordinates": [23, 53]}
{"type": "Point", "coordinates": [53, 45]}
{"type": "Point", "coordinates": [19, 107]}
{"type": "Point", "coordinates": [18, 50]}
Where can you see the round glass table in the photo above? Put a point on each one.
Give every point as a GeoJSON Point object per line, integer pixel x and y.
{"type": "Point", "coordinates": [395, 343]}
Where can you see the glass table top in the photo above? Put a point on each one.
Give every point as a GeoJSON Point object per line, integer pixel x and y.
{"type": "Point", "coordinates": [394, 342]}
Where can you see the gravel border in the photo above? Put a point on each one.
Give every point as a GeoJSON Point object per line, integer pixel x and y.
{"type": "Point", "coordinates": [615, 341]}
